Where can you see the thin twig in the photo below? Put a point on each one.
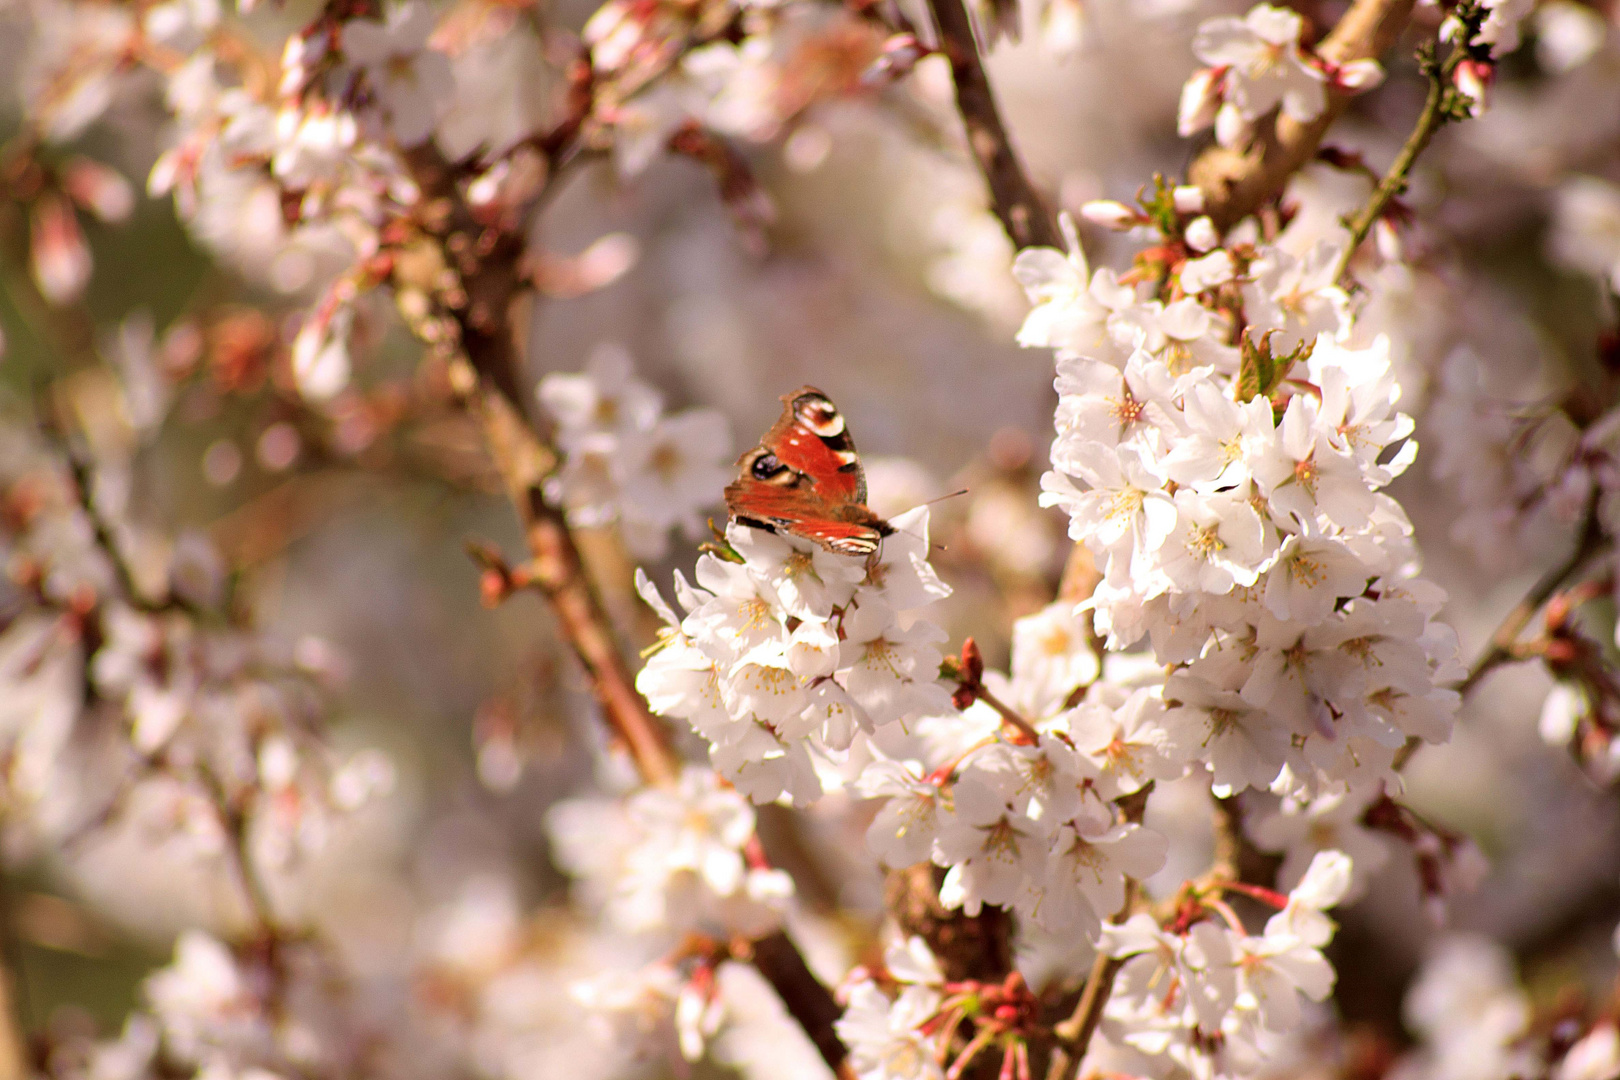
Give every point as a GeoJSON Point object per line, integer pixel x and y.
{"type": "Point", "coordinates": [1236, 183]}
{"type": "Point", "coordinates": [557, 569]}
{"type": "Point", "coordinates": [1434, 116]}
{"type": "Point", "coordinates": [1501, 649]}
{"type": "Point", "coordinates": [1014, 199]}
{"type": "Point", "coordinates": [488, 383]}
{"type": "Point", "coordinates": [1503, 644]}
{"type": "Point", "coordinates": [1073, 1036]}
{"type": "Point", "coordinates": [1008, 714]}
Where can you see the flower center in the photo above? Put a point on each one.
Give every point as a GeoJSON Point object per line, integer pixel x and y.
{"type": "Point", "coordinates": [1221, 721]}
{"type": "Point", "coordinates": [1204, 541]}
{"type": "Point", "coordinates": [755, 613]}
{"type": "Point", "coordinates": [1126, 503]}
{"type": "Point", "coordinates": [666, 462]}
{"type": "Point", "coordinates": [1306, 472]}
{"type": "Point", "coordinates": [1304, 570]}
{"type": "Point", "coordinates": [800, 564]}
{"type": "Point", "coordinates": [1362, 649]}
{"type": "Point", "coordinates": [1056, 641]}
{"type": "Point", "coordinates": [881, 653]}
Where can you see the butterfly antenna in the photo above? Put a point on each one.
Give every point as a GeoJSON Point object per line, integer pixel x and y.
{"type": "Point", "coordinates": [942, 498]}
{"type": "Point", "coordinates": [935, 545]}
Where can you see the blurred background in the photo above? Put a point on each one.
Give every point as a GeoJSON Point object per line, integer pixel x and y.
{"type": "Point", "coordinates": [879, 278]}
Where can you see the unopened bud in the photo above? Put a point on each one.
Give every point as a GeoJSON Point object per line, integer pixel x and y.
{"type": "Point", "coordinates": [1387, 240]}
{"type": "Point", "coordinates": [1359, 75]}
{"type": "Point", "coordinates": [483, 190]}
{"type": "Point", "coordinates": [1473, 80]}
{"type": "Point", "coordinates": [492, 588]}
{"type": "Point", "coordinates": [972, 663]}
{"type": "Point", "coordinates": [99, 189]}
{"type": "Point", "coordinates": [1111, 214]}
{"type": "Point", "coordinates": [900, 54]}
{"type": "Point", "coordinates": [1202, 235]}
{"type": "Point", "coordinates": [1188, 199]}
{"type": "Point", "coordinates": [1200, 98]}
{"type": "Point", "coordinates": [1231, 129]}
{"type": "Point", "coordinates": [59, 255]}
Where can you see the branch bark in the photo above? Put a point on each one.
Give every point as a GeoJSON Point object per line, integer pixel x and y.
{"type": "Point", "coordinates": [1501, 648]}
{"type": "Point", "coordinates": [1237, 183]}
{"type": "Point", "coordinates": [486, 376]}
{"type": "Point", "coordinates": [1013, 197]}
{"type": "Point", "coordinates": [559, 572]}
{"type": "Point", "coordinates": [807, 1000]}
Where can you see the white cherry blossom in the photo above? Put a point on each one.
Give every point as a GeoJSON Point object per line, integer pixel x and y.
{"type": "Point", "coordinates": [412, 82]}
{"type": "Point", "coordinates": [1264, 68]}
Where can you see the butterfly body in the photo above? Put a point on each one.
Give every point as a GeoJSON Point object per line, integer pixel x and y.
{"type": "Point", "coordinates": [805, 479]}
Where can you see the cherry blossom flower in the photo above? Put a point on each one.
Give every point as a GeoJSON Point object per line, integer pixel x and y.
{"type": "Point", "coordinates": [991, 849]}
{"type": "Point", "coordinates": [902, 834]}
{"type": "Point", "coordinates": [885, 1037]}
{"type": "Point", "coordinates": [1262, 65]}
{"type": "Point", "coordinates": [412, 81]}
{"type": "Point", "coordinates": [1086, 872]}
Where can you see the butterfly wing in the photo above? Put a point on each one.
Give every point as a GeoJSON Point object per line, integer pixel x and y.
{"type": "Point", "coordinates": [812, 439]}
{"type": "Point", "coordinates": [852, 528]}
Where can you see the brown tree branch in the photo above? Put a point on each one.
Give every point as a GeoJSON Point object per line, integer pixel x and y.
{"type": "Point", "coordinates": [1014, 199]}
{"type": "Point", "coordinates": [1501, 649]}
{"type": "Point", "coordinates": [486, 375]}
{"type": "Point", "coordinates": [1237, 183]}
{"type": "Point", "coordinates": [807, 1000]}
{"type": "Point", "coordinates": [559, 573]}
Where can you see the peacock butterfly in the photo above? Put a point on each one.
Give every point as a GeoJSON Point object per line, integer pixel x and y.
{"type": "Point", "coordinates": [804, 479]}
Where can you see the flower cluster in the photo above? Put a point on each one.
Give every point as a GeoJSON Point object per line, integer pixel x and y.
{"type": "Point", "coordinates": [672, 861]}
{"type": "Point", "coordinates": [1235, 993]}
{"type": "Point", "coordinates": [1232, 504]}
{"type": "Point", "coordinates": [1255, 66]}
{"type": "Point", "coordinates": [787, 651]}
{"type": "Point", "coordinates": [625, 462]}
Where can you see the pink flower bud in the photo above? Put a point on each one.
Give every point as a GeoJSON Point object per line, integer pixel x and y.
{"type": "Point", "coordinates": [1200, 97]}
{"type": "Point", "coordinates": [1111, 214]}
{"type": "Point", "coordinates": [900, 54]}
{"type": "Point", "coordinates": [1387, 240]}
{"type": "Point", "coordinates": [101, 190]}
{"type": "Point", "coordinates": [1473, 80]}
{"type": "Point", "coordinates": [60, 257]}
{"type": "Point", "coordinates": [1358, 75]}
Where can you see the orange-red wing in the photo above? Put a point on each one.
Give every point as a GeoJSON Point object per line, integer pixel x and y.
{"type": "Point", "coordinates": [803, 451]}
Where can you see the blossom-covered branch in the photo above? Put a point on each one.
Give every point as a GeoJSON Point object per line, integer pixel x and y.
{"type": "Point", "coordinates": [1238, 181]}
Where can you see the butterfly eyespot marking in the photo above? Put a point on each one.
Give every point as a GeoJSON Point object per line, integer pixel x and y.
{"type": "Point", "coordinates": [765, 466]}
{"type": "Point", "coordinates": [819, 415]}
